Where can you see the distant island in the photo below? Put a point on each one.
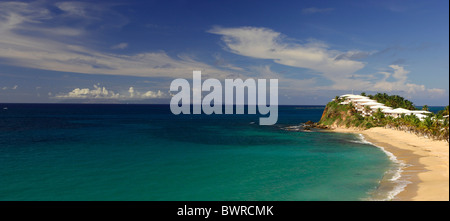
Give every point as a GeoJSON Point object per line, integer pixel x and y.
{"type": "Point", "coordinates": [382, 110]}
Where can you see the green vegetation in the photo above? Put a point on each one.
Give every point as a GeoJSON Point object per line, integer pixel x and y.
{"type": "Point", "coordinates": [444, 112]}
{"type": "Point", "coordinates": [339, 115]}
{"type": "Point", "coordinates": [434, 126]}
{"type": "Point", "coordinates": [393, 101]}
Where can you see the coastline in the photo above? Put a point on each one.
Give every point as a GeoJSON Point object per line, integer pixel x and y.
{"type": "Point", "coordinates": [426, 162]}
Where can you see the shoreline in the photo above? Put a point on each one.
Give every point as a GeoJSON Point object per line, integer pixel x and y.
{"type": "Point", "coordinates": [426, 162]}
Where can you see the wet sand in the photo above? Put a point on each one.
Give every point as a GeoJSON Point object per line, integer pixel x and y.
{"type": "Point", "coordinates": [427, 162]}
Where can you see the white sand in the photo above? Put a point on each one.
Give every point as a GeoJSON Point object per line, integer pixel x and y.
{"type": "Point", "coordinates": [428, 160]}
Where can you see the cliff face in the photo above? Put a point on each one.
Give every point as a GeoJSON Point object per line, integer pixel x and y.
{"type": "Point", "coordinates": [336, 115]}
{"type": "Point", "coordinates": [324, 114]}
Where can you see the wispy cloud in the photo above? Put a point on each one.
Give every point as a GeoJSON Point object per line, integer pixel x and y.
{"type": "Point", "coordinates": [353, 55]}
{"type": "Point", "coordinates": [314, 10]}
{"type": "Point", "coordinates": [26, 42]}
{"type": "Point", "coordinates": [122, 45]}
{"type": "Point", "coordinates": [265, 43]}
{"type": "Point", "coordinates": [338, 67]}
{"type": "Point", "coordinates": [88, 13]}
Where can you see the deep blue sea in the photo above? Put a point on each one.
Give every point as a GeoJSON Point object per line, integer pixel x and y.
{"type": "Point", "coordinates": [109, 152]}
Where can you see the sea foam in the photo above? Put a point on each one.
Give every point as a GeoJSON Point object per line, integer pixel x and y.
{"type": "Point", "coordinates": [395, 173]}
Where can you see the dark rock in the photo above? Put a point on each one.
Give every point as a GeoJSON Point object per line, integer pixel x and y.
{"type": "Point", "coordinates": [309, 123]}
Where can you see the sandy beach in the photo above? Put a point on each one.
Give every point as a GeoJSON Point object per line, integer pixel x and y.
{"type": "Point", "coordinates": [427, 160]}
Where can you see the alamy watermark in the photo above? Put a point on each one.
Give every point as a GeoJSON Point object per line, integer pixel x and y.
{"type": "Point", "coordinates": [212, 102]}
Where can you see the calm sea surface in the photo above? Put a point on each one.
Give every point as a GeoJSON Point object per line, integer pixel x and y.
{"type": "Point", "coordinates": [144, 152]}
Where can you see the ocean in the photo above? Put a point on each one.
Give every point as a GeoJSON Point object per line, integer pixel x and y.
{"type": "Point", "coordinates": [120, 152]}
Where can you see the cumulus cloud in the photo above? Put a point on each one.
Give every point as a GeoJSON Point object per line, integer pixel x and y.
{"type": "Point", "coordinates": [12, 88]}
{"type": "Point", "coordinates": [133, 94]}
{"type": "Point", "coordinates": [397, 80]}
{"type": "Point", "coordinates": [103, 93]}
{"type": "Point", "coordinates": [393, 80]}
{"type": "Point", "coordinates": [97, 92]}
{"type": "Point", "coordinates": [399, 83]}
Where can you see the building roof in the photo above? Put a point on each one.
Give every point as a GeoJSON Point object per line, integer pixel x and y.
{"type": "Point", "coordinates": [354, 96]}
{"type": "Point", "coordinates": [402, 110]}
{"type": "Point", "coordinates": [363, 100]}
{"type": "Point", "coordinates": [420, 112]}
{"type": "Point", "coordinates": [396, 111]}
{"type": "Point", "coordinates": [420, 116]}
{"type": "Point", "coordinates": [388, 111]}
{"type": "Point", "coordinates": [381, 107]}
{"type": "Point", "coordinates": [372, 103]}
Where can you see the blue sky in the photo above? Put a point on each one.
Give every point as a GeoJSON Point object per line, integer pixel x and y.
{"type": "Point", "coordinates": [130, 51]}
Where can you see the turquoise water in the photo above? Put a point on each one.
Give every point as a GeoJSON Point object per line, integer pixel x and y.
{"type": "Point", "coordinates": [143, 152]}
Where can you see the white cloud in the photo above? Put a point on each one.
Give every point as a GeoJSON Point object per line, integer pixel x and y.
{"type": "Point", "coordinates": [332, 65]}
{"type": "Point", "coordinates": [265, 43]}
{"type": "Point", "coordinates": [103, 93]}
{"type": "Point", "coordinates": [122, 45]}
{"type": "Point", "coordinates": [437, 93]}
{"type": "Point", "coordinates": [395, 80]}
{"type": "Point", "coordinates": [131, 91]}
{"type": "Point", "coordinates": [73, 8]}
{"type": "Point", "coordinates": [97, 92]}
{"type": "Point", "coordinates": [88, 13]}
{"type": "Point", "coordinates": [151, 94]}
{"type": "Point", "coordinates": [35, 37]}
{"type": "Point", "coordinates": [400, 76]}
{"type": "Point", "coordinates": [353, 55]}
{"type": "Point", "coordinates": [12, 88]}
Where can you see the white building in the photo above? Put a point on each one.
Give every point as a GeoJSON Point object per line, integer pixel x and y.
{"type": "Point", "coordinates": [360, 103]}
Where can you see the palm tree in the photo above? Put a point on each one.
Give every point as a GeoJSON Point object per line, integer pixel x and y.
{"type": "Point", "coordinates": [425, 107]}
{"type": "Point", "coordinates": [445, 112]}
{"type": "Point", "coordinates": [427, 125]}
{"type": "Point", "coordinates": [336, 99]}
